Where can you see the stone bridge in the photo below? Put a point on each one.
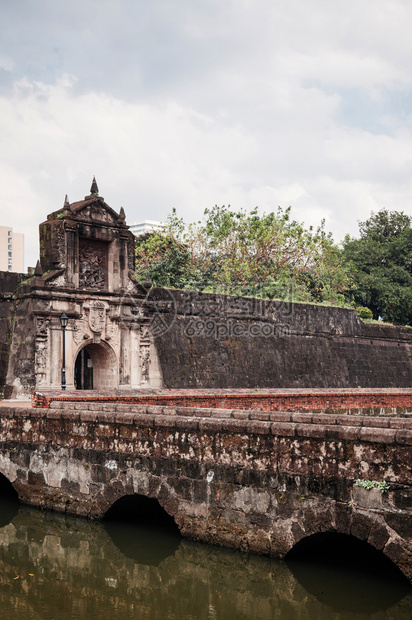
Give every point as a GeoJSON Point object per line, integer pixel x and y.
{"type": "Point", "coordinates": [250, 479]}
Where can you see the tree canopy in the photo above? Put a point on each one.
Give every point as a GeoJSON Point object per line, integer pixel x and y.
{"type": "Point", "coordinates": [164, 260]}
{"type": "Point", "coordinates": [245, 253]}
{"type": "Point", "coordinates": [380, 263]}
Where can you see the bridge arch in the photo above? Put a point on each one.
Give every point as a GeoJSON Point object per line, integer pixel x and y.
{"type": "Point", "coordinates": [142, 529]}
{"type": "Point", "coordinates": [9, 500]}
{"type": "Point", "coordinates": [7, 489]}
{"type": "Point", "coordinates": [95, 367]}
{"type": "Point", "coordinates": [344, 548]}
{"type": "Point", "coordinates": [141, 509]}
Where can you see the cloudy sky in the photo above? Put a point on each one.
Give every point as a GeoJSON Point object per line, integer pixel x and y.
{"type": "Point", "coordinates": [191, 103]}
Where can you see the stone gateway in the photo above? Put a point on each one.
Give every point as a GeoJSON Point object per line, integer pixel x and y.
{"type": "Point", "coordinates": [86, 271]}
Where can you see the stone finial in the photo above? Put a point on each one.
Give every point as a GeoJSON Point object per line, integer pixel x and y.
{"type": "Point", "coordinates": [66, 206]}
{"type": "Point", "coordinates": [148, 283]}
{"type": "Point", "coordinates": [94, 189]}
{"type": "Point", "coordinates": [38, 270]}
{"type": "Point", "coordinates": [122, 215]}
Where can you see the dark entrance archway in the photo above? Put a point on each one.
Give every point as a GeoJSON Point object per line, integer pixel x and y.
{"type": "Point", "coordinates": [95, 367]}
{"type": "Point", "coordinates": [83, 371]}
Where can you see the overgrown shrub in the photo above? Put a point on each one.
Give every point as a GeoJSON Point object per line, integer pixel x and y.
{"type": "Point", "coordinates": [364, 313]}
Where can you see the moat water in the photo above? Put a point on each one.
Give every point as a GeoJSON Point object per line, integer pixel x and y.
{"type": "Point", "coordinates": [54, 567]}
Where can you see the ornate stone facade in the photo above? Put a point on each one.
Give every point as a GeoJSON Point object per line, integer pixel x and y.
{"type": "Point", "coordinates": [87, 265]}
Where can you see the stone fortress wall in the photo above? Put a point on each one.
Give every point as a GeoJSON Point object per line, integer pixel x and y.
{"type": "Point", "coordinates": [209, 341]}
{"type": "Point", "coordinates": [229, 342]}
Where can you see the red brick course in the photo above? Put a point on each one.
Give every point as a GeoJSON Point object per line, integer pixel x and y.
{"type": "Point", "coordinates": [265, 400]}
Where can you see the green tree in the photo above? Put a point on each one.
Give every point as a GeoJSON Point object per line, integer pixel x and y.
{"type": "Point", "coordinates": [163, 259]}
{"type": "Point", "coordinates": [245, 253]}
{"type": "Point", "coordinates": [380, 263]}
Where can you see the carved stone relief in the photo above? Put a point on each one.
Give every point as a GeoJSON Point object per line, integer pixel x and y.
{"type": "Point", "coordinates": [80, 331]}
{"type": "Point", "coordinates": [112, 333]}
{"type": "Point", "coordinates": [42, 325]}
{"type": "Point", "coordinates": [96, 213]}
{"type": "Point", "coordinates": [144, 354]}
{"type": "Point", "coordinates": [42, 351]}
{"type": "Point", "coordinates": [59, 281]}
{"type": "Point", "coordinates": [93, 259]}
{"type": "Point", "coordinates": [41, 361]}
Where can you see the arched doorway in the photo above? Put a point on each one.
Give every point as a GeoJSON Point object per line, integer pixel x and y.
{"type": "Point", "coordinates": [95, 367]}
{"type": "Point", "coordinates": [83, 371]}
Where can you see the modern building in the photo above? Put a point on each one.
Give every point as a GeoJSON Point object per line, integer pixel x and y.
{"type": "Point", "coordinates": [144, 226]}
{"type": "Point", "coordinates": [11, 250]}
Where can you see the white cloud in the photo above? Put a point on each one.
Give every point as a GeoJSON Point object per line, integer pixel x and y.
{"type": "Point", "coordinates": [6, 63]}
{"type": "Point", "coordinates": [188, 104]}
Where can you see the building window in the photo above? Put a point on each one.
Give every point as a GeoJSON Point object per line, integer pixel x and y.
{"type": "Point", "coordinates": [10, 231]}
{"type": "Point", "coordinates": [10, 254]}
{"type": "Point", "coordinates": [9, 247]}
{"type": "Point", "coordinates": [10, 261]}
{"type": "Point", "coordinates": [9, 267]}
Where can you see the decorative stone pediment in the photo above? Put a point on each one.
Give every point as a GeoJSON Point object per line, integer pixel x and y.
{"type": "Point", "coordinates": [97, 213]}
{"type": "Point", "coordinates": [92, 210]}
{"type": "Point", "coordinates": [89, 243]}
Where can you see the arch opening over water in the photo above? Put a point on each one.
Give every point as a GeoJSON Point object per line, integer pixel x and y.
{"type": "Point", "coordinates": [340, 563]}
{"type": "Point", "coordinates": [141, 510]}
{"type": "Point", "coordinates": [9, 501]}
{"type": "Point", "coordinates": [131, 522]}
{"type": "Point", "coordinates": [7, 490]}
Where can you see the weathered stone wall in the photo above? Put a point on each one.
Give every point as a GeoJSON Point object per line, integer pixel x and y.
{"type": "Point", "coordinates": [177, 339]}
{"type": "Point", "coordinates": [228, 342]}
{"type": "Point", "coordinates": [20, 377]}
{"type": "Point", "coordinates": [6, 318]}
{"type": "Point", "coordinates": [9, 283]}
{"type": "Point", "coordinates": [250, 480]}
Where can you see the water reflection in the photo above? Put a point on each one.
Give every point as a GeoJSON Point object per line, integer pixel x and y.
{"type": "Point", "coordinates": [346, 590]}
{"type": "Point", "coordinates": [56, 568]}
{"type": "Point", "coordinates": [144, 544]}
{"type": "Point", "coordinates": [8, 510]}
